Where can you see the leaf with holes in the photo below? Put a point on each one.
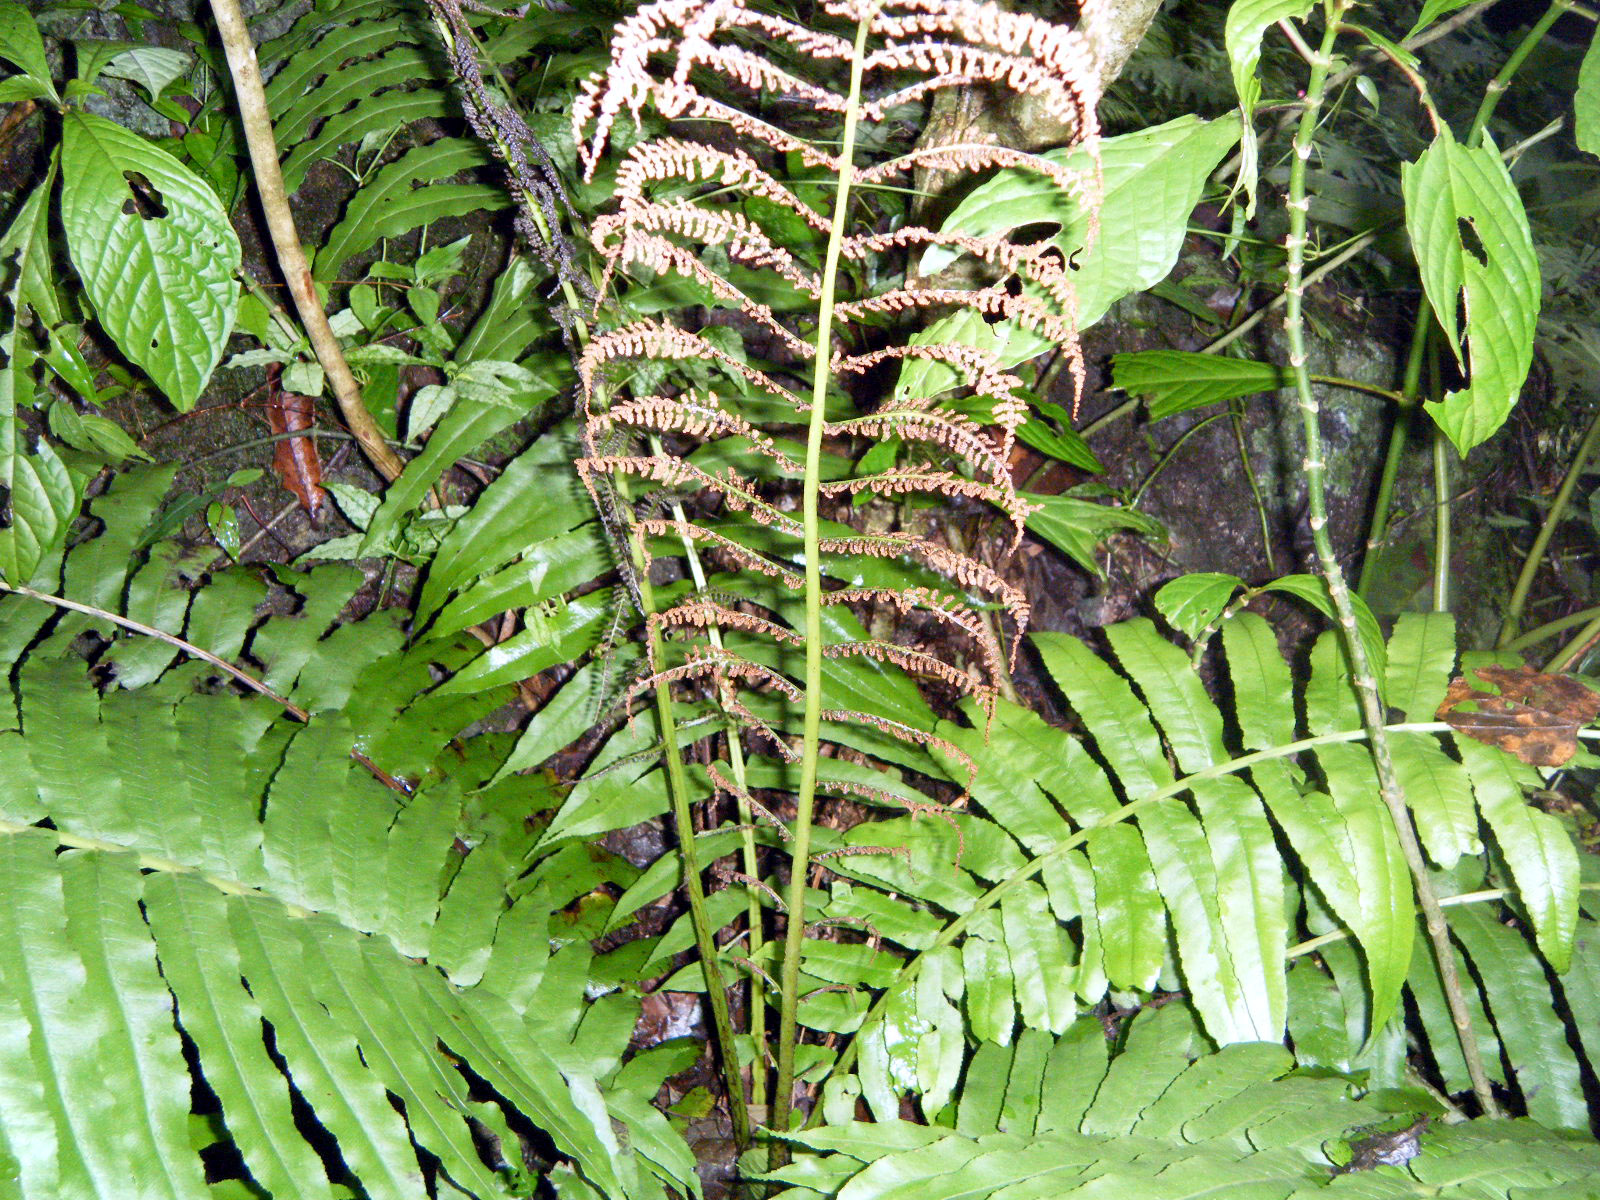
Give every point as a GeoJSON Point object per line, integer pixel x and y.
{"type": "Point", "coordinates": [1192, 603]}
{"type": "Point", "coordinates": [1474, 250]}
{"type": "Point", "coordinates": [155, 251]}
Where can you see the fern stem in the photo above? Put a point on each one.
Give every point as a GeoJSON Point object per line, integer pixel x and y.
{"type": "Point", "coordinates": [257, 124]}
{"type": "Point", "coordinates": [1366, 683]}
{"type": "Point", "coordinates": [694, 886]}
{"type": "Point", "coordinates": [1483, 896]}
{"type": "Point", "coordinates": [747, 839]}
{"type": "Point", "coordinates": [805, 800]}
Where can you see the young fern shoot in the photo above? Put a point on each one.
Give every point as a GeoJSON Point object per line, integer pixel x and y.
{"type": "Point", "coordinates": [713, 213]}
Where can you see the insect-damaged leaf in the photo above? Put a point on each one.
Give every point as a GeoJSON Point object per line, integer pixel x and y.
{"type": "Point", "coordinates": [1534, 716]}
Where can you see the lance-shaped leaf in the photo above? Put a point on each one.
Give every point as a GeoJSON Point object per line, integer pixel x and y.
{"type": "Point", "coordinates": [1247, 21]}
{"type": "Point", "coordinates": [1177, 380]}
{"type": "Point", "coordinates": [1474, 250]}
{"type": "Point", "coordinates": [43, 495]}
{"type": "Point", "coordinates": [154, 249]}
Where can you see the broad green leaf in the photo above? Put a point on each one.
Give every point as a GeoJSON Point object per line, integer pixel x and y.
{"type": "Point", "coordinates": [66, 1098]}
{"type": "Point", "coordinates": [1540, 854]}
{"type": "Point", "coordinates": [1040, 964]}
{"type": "Point", "coordinates": [155, 250]}
{"type": "Point", "coordinates": [1159, 1045]}
{"type": "Point", "coordinates": [978, 1109]}
{"type": "Point", "coordinates": [991, 993]}
{"type": "Point", "coordinates": [201, 963]}
{"type": "Point", "coordinates": [1078, 527]}
{"type": "Point", "coordinates": [154, 68]}
{"type": "Point", "coordinates": [1439, 795]}
{"type": "Point", "coordinates": [28, 239]}
{"type": "Point", "coordinates": [21, 44]}
{"type": "Point", "coordinates": [1152, 180]}
{"type": "Point", "coordinates": [140, 1061]}
{"type": "Point", "coordinates": [463, 429]}
{"type": "Point", "coordinates": [1422, 651]}
{"type": "Point", "coordinates": [545, 640]}
{"type": "Point", "coordinates": [1475, 252]}
{"type": "Point", "coordinates": [1586, 103]}
{"type": "Point", "coordinates": [1067, 445]}
{"type": "Point", "coordinates": [409, 192]}
{"type": "Point", "coordinates": [1192, 604]}
{"type": "Point", "coordinates": [1176, 380]}
{"type": "Point", "coordinates": [356, 980]}
{"type": "Point", "coordinates": [1247, 21]}
{"type": "Point", "coordinates": [350, 1102]}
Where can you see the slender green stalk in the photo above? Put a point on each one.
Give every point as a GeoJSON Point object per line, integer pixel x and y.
{"type": "Point", "coordinates": [694, 886]}
{"type": "Point", "coordinates": [1496, 90]}
{"type": "Point", "coordinates": [1541, 541]}
{"type": "Point", "coordinates": [1441, 522]}
{"type": "Point", "coordinates": [1236, 420]}
{"type": "Point", "coordinates": [1378, 528]}
{"type": "Point", "coordinates": [1550, 629]}
{"type": "Point", "coordinates": [805, 800]}
{"type": "Point", "coordinates": [1573, 652]}
{"type": "Point", "coordinates": [1366, 683]}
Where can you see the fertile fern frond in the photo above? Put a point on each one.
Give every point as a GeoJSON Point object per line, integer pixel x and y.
{"type": "Point", "coordinates": [672, 219]}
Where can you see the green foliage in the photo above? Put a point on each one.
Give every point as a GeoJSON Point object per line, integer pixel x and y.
{"type": "Point", "coordinates": [365, 954]}
{"type": "Point", "coordinates": [1164, 1120]}
{"type": "Point", "coordinates": [322, 942]}
{"type": "Point", "coordinates": [1133, 245]}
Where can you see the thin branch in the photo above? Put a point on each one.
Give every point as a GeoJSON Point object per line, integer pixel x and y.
{"type": "Point", "coordinates": [257, 124]}
{"type": "Point", "coordinates": [222, 664]}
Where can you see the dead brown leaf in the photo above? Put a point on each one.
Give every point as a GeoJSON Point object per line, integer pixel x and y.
{"type": "Point", "coordinates": [1534, 716]}
{"type": "Point", "coordinates": [295, 458]}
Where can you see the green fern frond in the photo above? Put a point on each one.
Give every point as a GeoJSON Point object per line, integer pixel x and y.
{"type": "Point", "coordinates": [1165, 1120]}
{"type": "Point", "coordinates": [190, 872]}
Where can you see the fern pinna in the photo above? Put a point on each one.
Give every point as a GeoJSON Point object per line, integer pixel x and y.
{"type": "Point", "coordinates": [710, 211]}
